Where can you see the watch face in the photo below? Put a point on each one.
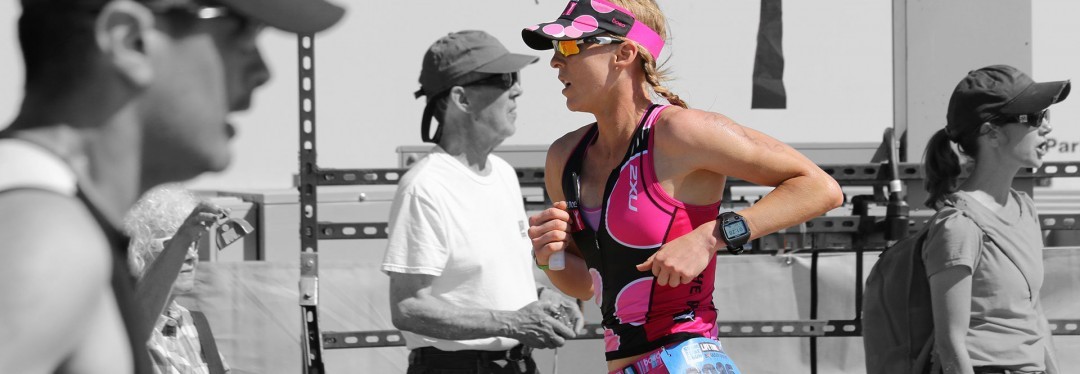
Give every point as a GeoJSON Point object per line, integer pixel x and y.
{"type": "Point", "coordinates": [734, 229]}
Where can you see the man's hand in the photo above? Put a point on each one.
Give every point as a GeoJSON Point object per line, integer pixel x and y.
{"type": "Point", "coordinates": [535, 326]}
{"type": "Point", "coordinates": [681, 260]}
{"type": "Point", "coordinates": [569, 311]}
{"type": "Point", "coordinates": [548, 231]}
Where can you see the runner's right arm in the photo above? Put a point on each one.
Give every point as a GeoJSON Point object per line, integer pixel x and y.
{"type": "Point", "coordinates": [548, 228]}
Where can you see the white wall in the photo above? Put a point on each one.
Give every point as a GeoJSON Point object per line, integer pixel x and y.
{"type": "Point", "coordinates": [838, 76]}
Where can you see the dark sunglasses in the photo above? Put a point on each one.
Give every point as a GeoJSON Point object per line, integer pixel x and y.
{"type": "Point", "coordinates": [1031, 119]}
{"type": "Point", "coordinates": [504, 81]}
{"type": "Point", "coordinates": [204, 11]}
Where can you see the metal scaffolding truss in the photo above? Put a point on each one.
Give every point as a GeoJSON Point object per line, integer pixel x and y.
{"type": "Point", "coordinates": [814, 237]}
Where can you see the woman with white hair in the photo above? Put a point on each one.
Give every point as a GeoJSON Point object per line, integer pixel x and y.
{"type": "Point", "coordinates": [166, 225]}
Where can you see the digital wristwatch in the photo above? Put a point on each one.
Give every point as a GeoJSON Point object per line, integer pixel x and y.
{"type": "Point", "coordinates": [734, 230]}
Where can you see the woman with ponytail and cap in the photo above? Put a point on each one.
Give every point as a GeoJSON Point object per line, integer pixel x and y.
{"type": "Point", "coordinates": [983, 252]}
{"type": "Point", "coordinates": [634, 225]}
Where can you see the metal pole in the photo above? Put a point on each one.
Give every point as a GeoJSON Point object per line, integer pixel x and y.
{"type": "Point", "coordinates": [311, 336]}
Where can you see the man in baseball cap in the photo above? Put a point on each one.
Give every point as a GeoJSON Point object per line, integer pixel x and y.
{"type": "Point", "coordinates": [461, 282]}
{"type": "Point", "coordinates": [463, 59]}
{"type": "Point", "coordinates": [120, 96]}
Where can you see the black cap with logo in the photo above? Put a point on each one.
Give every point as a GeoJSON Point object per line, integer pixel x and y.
{"type": "Point", "coordinates": [997, 91]}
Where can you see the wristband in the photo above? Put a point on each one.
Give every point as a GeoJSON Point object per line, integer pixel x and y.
{"type": "Point", "coordinates": [538, 266]}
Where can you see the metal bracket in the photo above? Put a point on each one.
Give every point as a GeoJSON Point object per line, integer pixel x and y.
{"type": "Point", "coordinates": [347, 177]}
{"type": "Point", "coordinates": [1059, 221]}
{"type": "Point", "coordinates": [309, 279]}
{"type": "Point", "coordinates": [1065, 326]}
{"type": "Point", "coordinates": [362, 339]}
{"type": "Point", "coordinates": [360, 230]}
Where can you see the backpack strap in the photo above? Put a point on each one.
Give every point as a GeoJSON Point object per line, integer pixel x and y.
{"type": "Point", "coordinates": [209, 347]}
{"type": "Point", "coordinates": [963, 208]}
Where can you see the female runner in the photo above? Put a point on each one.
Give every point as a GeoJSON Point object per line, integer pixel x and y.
{"type": "Point", "coordinates": [644, 184]}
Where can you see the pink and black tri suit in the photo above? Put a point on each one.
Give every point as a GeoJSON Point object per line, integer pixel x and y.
{"type": "Point", "coordinates": [636, 219]}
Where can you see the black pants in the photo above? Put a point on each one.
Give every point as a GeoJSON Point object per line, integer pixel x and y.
{"type": "Point", "coordinates": [995, 370]}
{"type": "Point", "coordinates": [429, 360]}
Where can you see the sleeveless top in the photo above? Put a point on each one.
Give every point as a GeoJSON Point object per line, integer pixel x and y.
{"type": "Point", "coordinates": [24, 165]}
{"type": "Point", "coordinates": [636, 219]}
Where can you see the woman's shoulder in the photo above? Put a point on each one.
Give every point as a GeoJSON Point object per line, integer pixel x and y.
{"type": "Point", "coordinates": [564, 145]}
{"type": "Point", "coordinates": [952, 239]}
{"type": "Point", "coordinates": [951, 224]}
{"type": "Point", "coordinates": [679, 116]}
{"type": "Point", "coordinates": [689, 125]}
{"type": "Point", "coordinates": [557, 156]}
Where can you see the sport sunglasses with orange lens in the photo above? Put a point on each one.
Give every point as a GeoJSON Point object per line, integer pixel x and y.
{"type": "Point", "coordinates": [570, 47]}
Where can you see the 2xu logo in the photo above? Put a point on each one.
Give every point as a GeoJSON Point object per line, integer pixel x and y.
{"type": "Point", "coordinates": [632, 195]}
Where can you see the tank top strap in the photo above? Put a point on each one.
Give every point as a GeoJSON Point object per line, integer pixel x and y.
{"type": "Point", "coordinates": [572, 169]}
{"type": "Point", "coordinates": [643, 136]}
{"type": "Point", "coordinates": [653, 114]}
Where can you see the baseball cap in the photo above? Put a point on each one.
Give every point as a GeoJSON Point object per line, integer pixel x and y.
{"type": "Point", "coordinates": [456, 59]}
{"type": "Point", "coordinates": [297, 16]}
{"type": "Point", "coordinates": [585, 18]}
{"type": "Point", "coordinates": [994, 91]}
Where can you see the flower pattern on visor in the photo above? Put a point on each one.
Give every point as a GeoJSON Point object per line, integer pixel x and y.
{"type": "Point", "coordinates": [587, 18]}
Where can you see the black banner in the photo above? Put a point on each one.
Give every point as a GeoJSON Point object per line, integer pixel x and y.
{"type": "Point", "coordinates": [769, 90]}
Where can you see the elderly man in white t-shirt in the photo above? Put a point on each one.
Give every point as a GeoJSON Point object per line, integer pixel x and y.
{"type": "Point", "coordinates": [461, 281]}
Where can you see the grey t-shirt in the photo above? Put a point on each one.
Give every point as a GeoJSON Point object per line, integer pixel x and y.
{"type": "Point", "coordinates": [1007, 326]}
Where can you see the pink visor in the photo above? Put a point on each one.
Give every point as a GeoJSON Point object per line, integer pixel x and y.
{"type": "Point", "coordinates": [584, 18]}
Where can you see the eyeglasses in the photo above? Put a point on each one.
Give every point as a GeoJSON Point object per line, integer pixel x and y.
{"type": "Point", "coordinates": [504, 81]}
{"type": "Point", "coordinates": [161, 243]}
{"type": "Point", "coordinates": [570, 47]}
{"type": "Point", "coordinates": [200, 11]}
{"type": "Point", "coordinates": [1032, 119]}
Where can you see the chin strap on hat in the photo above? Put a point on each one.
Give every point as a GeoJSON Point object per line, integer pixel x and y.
{"type": "Point", "coordinates": [425, 124]}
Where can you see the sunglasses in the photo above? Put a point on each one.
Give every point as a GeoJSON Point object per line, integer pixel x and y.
{"type": "Point", "coordinates": [1031, 119]}
{"type": "Point", "coordinates": [199, 11]}
{"type": "Point", "coordinates": [570, 47]}
{"type": "Point", "coordinates": [504, 80]}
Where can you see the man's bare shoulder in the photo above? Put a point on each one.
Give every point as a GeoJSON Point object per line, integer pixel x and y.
{"type": "Point", "coordinates": [55, 268]}
{"type": "Point", "coordinates": [44, 229]}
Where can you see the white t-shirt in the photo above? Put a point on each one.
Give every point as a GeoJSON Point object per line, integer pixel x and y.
{"type": "Point", "coordinates": [468, 230]}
